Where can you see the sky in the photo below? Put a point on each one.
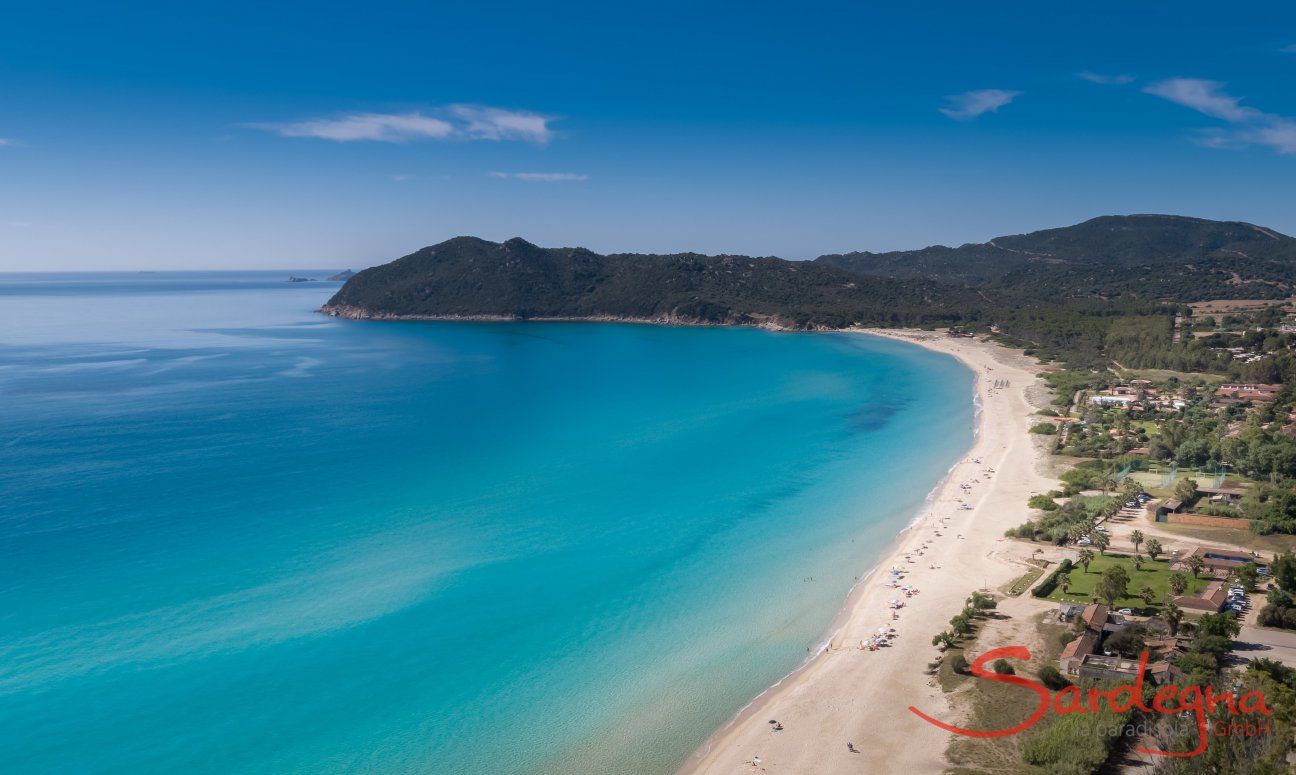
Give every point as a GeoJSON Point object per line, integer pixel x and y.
{"type": "Point", "coordinates": [279, 135]}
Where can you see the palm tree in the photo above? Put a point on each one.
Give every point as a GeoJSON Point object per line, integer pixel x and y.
{"type": "Point", "coordinates": [1178, 583]}
{"type": "Point", "coordinates": [1136, 538]}
{"type": "Point", "coordinates": [1085, 557]}
{"type": "Point", "coordinates": [1106, 482]}
{"type": "Point", "coordinates": [1101, 541]}
{"type": "Point", "coordinates": [1153, 548]}
{"type": "Point", "coordinates": [1195, 564]}
{"type": "Point", "coordinates": [1138, 562]}
{"type": "Point", "coordinates": [1064, 581]}
{"type": "Point", "coordinates": [1148, 595]}
{"type": "Point", "coordinates": [1173, 615]}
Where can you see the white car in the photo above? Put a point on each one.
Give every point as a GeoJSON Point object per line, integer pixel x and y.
{"type": "Point", "coordinates": [1126, 611]}
{"type": "Point", "coordinates": [1084, 542]}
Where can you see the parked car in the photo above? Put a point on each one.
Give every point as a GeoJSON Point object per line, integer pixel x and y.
{"type": "Point", "coordinates": [1126, 611]}
{"type": "Point", "coordinates": [1084, 542]}
{"type": "Point", "coordinates": [1131, 504]}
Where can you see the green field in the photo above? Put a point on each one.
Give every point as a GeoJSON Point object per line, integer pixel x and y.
{"type": "Point", "coordinates": [1155, 574]}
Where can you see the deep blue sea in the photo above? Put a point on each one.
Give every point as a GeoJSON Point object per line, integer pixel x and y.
{"type": "Point", "coordinates": [240, 536]}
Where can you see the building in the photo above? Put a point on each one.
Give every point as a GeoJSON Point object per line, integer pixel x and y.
{"type": "Point", "coordinates": [1104, 668]}
{"type": "Point", "coordinates": [1248, 392]}
{"type": "Point", "coordinates": [1211, 599]}
{"type": "Point", "coordinates": [1225, 560]}
{"type": "Point", "coordinates": [1230, 496]}
{"type": "Point", "coordinates": [1097, 621]}
{"type": "Point", "coordinates": [1073, 653]}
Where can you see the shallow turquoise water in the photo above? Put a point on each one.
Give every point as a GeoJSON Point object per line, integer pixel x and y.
{"type": "Point", "coordinates": [239, 536]}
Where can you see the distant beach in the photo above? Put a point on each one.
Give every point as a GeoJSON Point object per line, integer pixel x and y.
{"type": "Point", "coordinates": [849, 694]}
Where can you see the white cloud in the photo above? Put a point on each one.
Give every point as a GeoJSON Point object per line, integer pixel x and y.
{"type": "Point", "coordinates": [1252, 126]}
{"type": "Point", "coordinates": [484, 123]}
{"type": "Point", "coordinates": [5, 141]}
{"type": "Point", "coordinates": [376, 127]}
{"type": "Point", "coordinates": [1106, 80]}
{"type": "Point", "coordinates": [540, 177]}
{"type": "Point", "coordinates": [1205, 97]}
{"type": "Point", "coordinates": [1290, 49]}
{"type": "Point", "coordinates": [969, 105]}
{"type": "Point", "coordinates": [471, 122]}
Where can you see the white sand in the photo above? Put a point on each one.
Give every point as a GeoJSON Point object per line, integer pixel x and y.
{"type": "Point", "coordinates": [849, 695]}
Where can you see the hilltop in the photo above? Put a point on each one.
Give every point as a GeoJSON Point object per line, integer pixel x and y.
{"type": "Point", "coordinates": [1166, 257]}
{"type": "Point", "coordinates": [467, 277]}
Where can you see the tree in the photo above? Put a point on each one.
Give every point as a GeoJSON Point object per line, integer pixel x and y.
{"type": "Point", "coordinates": [1219, 625]}
{"type": "Point", "coordinates": [944, 640]}
{"type": "Point", "coordinates": [1186, 489]}
{"type": "Point", "coordinates": [1106, 481]}
{"type": "Point", "coordinates": [1173, 615]}
{"type": "Point", "coordinates": [1113, 585]}
{"type": "Point", "coordinates": [1138, 562]}
{"type": "Point", "coordinates": [1284, 570]}
{"type": "Point", "coordinates": [961, 624]}
{"type": "Point", "coordinates": [1136, 538]}
{"type": "Point", "coordinates": [1195, 564]}
{"type": "Point", "coordinates": [1064, 581]}
{"type": "Point", "coordinates": [1154, 548]}
{"type": "Point", "coordinates": [1148, 595]}
{"type": "Point", "coordinates": [1178, 583]}
{"type": "Point", "coordinates": [1248, 576]}
{"type": "Point", "coordinates": [1085, 557]}
{"type": "Point", "coordinates": [1101, 541]}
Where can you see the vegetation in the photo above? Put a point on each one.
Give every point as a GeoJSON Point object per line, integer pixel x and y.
{"type": "Point", "coordinates": [1114, 579]}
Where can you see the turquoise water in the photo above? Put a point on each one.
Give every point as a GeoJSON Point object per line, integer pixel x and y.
{"type": "Point", "coordinates": [239, 536]}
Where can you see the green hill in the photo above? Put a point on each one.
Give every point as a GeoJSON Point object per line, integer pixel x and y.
{"type": "Point", "coordinates": [473, 278]}
{"type": "Point", "coordinates": [1150, 256]}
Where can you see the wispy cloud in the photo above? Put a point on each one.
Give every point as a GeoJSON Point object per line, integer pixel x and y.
{"type": "Point", "coordinates": [1251, 126]}
{"type": "Point", "coordinates": [540, 177]}
{"type": "Point", "coordinates": [4, 141]}
{"type": "Point", "coordinates": [1290, 49]}
{"type": "Point", "coordinates": [485, 123]}
{"type": "Point", "coordinates": [401, 178]}
{"type": "Point", "coordinates": [969, 105]}
{"type": "Point", "coordinates": [468, 122]}
{"type": "Point", "coordinates": [1105, 80]}
{"type": "Point", "coordinates": [375, 127]}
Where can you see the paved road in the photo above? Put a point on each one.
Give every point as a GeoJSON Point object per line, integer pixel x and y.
{"type": "Point", "coordinates": [1253, 643]}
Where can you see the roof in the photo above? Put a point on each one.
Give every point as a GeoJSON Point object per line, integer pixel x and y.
{"type": "Point", "coordinates": [1212, 598]}
{"type": "Point", "coordinates": [1095, 616]}
{"type": "Point", "coordinates": [1114, 664]}
{"type": "Point", "coordinates": [1080, 646]}
{"type": "Point", "coordinates": [1222, 490]}
{"type": "Point", "coordinates": [1209, 553]}
{"type": "Point", "coordinates": [1172, 504]}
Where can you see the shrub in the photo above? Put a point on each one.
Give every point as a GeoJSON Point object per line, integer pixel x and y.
{"type": "Point", "coordinates": [1045, 428]}
{"type": "Point", "coordinates": [959, 664]}
{"type": "Point", "coordinates": [1042, 502]}
{"type": "Point", "coordinates": [1052, 678]}
{"type": "Point", "coordinates": [1050, 583]}
{"type": "Point", "coordinates": [1003, 667]}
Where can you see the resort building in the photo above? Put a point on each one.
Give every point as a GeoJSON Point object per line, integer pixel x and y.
{"type": "Point", "coordinates": [1211, 599]}
{"type": "Point", "coordinates": [1248, 392]}
{"type": "Point", "coordinates": [1221, 560]}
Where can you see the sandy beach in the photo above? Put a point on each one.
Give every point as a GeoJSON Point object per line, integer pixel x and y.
{"type": "Point", "coordinates": [858, 696]}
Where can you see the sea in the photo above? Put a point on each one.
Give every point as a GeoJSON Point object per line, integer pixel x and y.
{"type": "Point", "coordinates": [237, 535]}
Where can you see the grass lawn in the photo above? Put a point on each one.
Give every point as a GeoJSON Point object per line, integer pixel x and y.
{"type": "Point", "coordinates": [1155, 574]}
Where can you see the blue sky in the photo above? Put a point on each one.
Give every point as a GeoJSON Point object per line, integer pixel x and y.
{"type": "Point", "coordinates": [138, 135]}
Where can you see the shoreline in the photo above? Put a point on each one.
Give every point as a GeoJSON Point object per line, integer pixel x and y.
{"type": "Point", "coordinates": [842, 694]}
